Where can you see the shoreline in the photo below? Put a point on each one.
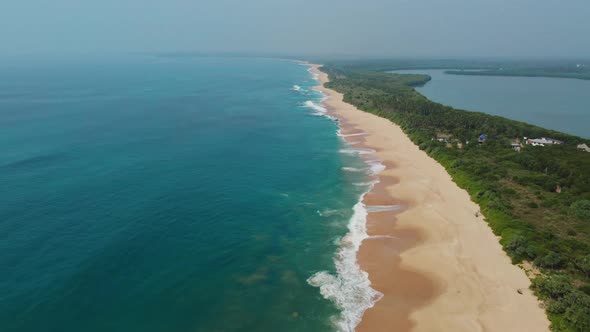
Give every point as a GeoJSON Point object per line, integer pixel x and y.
{"type": "Point", "coordinates": [437, 264]}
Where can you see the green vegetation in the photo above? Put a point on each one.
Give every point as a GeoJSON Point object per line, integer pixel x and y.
{"type": "Point", "coordinates": [569, 308]}
{"type": "Point", "coordinates": [565, 68]}
{"type": "Point", "coordinates": [537, 199]}
{"type": "Point", "coordinates": [582, 73]}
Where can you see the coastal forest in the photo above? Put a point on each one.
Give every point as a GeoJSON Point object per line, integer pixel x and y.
{"type": "Point", "coordinates": [562, 68]}
{"type": "Point", "coordinates": [536, 198]}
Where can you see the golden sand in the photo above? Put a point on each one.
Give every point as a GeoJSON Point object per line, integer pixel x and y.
{"type": "Point", "coordinates": [436, 261]}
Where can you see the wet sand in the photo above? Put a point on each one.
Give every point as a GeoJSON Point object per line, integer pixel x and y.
{"type": "Point", "coordinates": [438, 265]}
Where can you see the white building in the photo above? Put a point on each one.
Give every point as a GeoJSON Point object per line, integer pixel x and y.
{"type": "Point", "coordinates": [542, 141]}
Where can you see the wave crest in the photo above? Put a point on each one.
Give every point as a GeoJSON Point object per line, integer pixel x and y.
{"type": "Point", "coordinates": [350, 288]}
{"type": "Point", "coordinates": [318, 109]}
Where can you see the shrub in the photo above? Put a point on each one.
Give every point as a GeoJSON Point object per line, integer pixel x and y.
{"type": "Point", "coordinates": [520, 248]}
{"type": "Point", "coordinates": [457, 163]}
{"type": "Point", "coordinates": [553, 286]}
{"type": "Point", "coordinates": [583, 264]}
{"type": "Point", "coordinates": [581, 209]}
{"type": "Point", "coordinates": [565, 300]}
{"type": "Point", "coordinates": [552, 260]}
{"type": "Point", "coordinates": [516, 242]}
{"type": "Point", "coordinates": [547, 203]}
{"type": "Point", "coordinates": [509, 191]}
{"type": "Point", "coordinates": [578, 312]}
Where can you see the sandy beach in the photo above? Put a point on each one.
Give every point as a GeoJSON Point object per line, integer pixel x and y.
{"type": "Point", "coordinates": [435, 260]}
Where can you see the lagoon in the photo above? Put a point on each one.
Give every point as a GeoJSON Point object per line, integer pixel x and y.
{"type": "Point", "coordinates": [556, 103]}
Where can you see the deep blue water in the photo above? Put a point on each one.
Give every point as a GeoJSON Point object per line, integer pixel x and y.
{"type": "Point", "coordinates": [556, 103]}
{"type": "Point", "coordinates": [167, 194]}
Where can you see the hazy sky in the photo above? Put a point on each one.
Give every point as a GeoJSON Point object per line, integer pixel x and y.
{"type": "Point", "coordinates": [361, 27]}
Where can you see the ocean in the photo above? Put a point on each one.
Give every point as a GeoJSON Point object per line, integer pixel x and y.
{"type": "Point", "coordinates": [145, 193]}
{"type": "Point", "coordinates": [556, 103]}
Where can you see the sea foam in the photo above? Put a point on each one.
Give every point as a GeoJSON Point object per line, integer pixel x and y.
{"type": "Point", "coordinates": [364, 184]}
{"type": "Point", "coordinates": [376, 167]}
{"type": "Point", "coordinates": [357, 151]}
{"type": "Point", "coordinates": [314, 75]}
{"type": "Point", "coordinates": [318, 109]}
{"type": "Point", "coordinates": [352, 169]}
{"type": "Point", "coordinates": [350, 289]}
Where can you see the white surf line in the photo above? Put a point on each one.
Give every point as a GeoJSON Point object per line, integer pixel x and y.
{"type": "Point", "coordinates": [350, 288]}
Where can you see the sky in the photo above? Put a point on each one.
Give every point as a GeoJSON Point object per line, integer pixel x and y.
{"type": "Point", "coordinates": [544, 28]}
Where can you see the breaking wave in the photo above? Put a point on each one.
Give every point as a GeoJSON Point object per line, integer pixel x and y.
{"type": "Point", "coordinates": [352, 169]}
{"type": "Point", "coordinates": [357, 151]}
{"type": "Point", "coordinates": [318, 109]}
{"type": "Point", "coordinates": [364, 184]}
{"type": "Point", "coordinates": [315, 76]}
{"type": "Point", "coordinates": [350, 288]}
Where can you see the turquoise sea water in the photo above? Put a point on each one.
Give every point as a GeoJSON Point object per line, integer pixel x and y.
{"type": "Point", "coordinates": [171, 194]}
{"type": "Point", "coordinates": [555, 103]}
